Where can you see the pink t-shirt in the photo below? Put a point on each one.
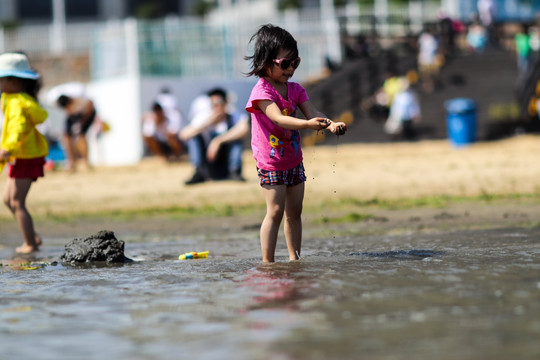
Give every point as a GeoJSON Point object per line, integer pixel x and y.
{"type": "Point", "coordinates": [274, 147]}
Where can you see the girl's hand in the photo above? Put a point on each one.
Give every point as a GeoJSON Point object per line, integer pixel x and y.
{"type": "Point", "coordinates": [4, 155]}
{"type": "Point", "coordinates": [318, 123]}
{"type": "Point", "coordinates": [338, 128]}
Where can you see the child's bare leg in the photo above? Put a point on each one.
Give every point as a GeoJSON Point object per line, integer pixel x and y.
{"type": "Point", "coordinates": [275, 206]}
{"type": "Point", "coordinates": [70, 152]}
{"type": "Point", "coordinates": [293, 220]}
{"type": "Point", "coordinates": [6, 197]}
{"type": "Point", "coordinates": [82, 147]}
{"type": "Point", "coordinates": [18, 205]}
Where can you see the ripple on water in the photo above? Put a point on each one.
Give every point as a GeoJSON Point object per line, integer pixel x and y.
{"type": "Point", "coordinates": [400, 254]}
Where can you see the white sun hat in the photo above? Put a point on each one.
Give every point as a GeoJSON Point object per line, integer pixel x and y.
{"type": "Point", "coordinates": [16, 65]}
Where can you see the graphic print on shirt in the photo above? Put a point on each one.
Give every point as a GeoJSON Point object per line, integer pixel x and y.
{"type": "Point", "coordinates": [288, 137]}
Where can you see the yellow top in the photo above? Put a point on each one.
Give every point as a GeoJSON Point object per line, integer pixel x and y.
{"type": "Point", "coordinates": [19, 134]}
{"type": "Point", "coordinates": [391, 87]}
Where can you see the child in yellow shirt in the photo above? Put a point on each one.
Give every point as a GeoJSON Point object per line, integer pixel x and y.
{"type": "Point", "coordinates": [22, 146]}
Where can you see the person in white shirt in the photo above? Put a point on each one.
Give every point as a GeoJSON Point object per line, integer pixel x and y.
{"type": "Point", "coordinates": [160, 134]}
{"type": "Point", "coordinates": [404, 113]}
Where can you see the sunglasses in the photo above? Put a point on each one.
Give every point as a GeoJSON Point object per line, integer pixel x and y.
{"type": "Point", "coordinates": [284, 63]}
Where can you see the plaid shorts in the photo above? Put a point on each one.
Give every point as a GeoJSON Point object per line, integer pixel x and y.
{"type": "Point", "coordinates": [289, 177]}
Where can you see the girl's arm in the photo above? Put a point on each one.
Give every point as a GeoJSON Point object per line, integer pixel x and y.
{"type": "Point", "coordinates": [17, 125]}
{"type": "Point", "coordinates": [310, 111]}
{"type": "Point", "coordinates": [270, 109]}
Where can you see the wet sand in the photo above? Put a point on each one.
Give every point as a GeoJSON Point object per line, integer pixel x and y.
{"type": "Point", "coordinates": [347, 183]}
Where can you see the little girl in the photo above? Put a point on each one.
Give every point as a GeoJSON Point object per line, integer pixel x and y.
{"type": "Point", "coordinates": [22, 145]}
{"type": "Point", "coordinates": [275, 137]}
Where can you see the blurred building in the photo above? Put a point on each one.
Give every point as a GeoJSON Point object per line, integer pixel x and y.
{"type": "Point", "coordinates": [42, 11]}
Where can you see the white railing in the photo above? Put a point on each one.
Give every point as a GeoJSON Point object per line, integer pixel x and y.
{"type": "Point", "coordinates": [39, 39]}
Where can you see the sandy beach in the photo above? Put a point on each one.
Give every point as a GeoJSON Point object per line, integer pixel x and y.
{"type": "Point", "coordinates": [378, 187]}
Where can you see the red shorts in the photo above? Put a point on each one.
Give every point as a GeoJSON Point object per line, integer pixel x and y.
{"type": "Point", "coordinates": [27, 168]}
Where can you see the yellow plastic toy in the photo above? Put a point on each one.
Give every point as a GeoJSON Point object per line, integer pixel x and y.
{"type": "Point", "coordinates": [194, 255]}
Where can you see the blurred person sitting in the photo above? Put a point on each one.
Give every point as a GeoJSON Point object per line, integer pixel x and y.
{"type": "Point", "coordinates": [404, 112]}
{"type": "Point", "coordinates": [477, 37]}
{"type": "Point", "coordinates": [429, 59]}
{"type": "Point", "coordinates": [215, 138]}
{"type": "Point", "coordinates": [523, 49]}
{"type": "Point", "coordinates": [169, 104]}
{"type": "Point", "coordinates": [447, 31]}
{"type": "Point", "coordinates": [378, 104]}
{"type": "Point", "coordinates": [160, 134]}
{"type": "Point", "coordinates": [486, 12]}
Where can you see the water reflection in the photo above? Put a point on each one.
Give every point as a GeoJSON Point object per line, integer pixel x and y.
{"type": "Point", "coordinates": [278, 285]}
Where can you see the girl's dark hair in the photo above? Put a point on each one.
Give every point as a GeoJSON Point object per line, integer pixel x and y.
{"type": "Point", "coordinates": [29, 86]}
{"type": "Point", "coordinates": [32, 87]}
{"type": "Point", "coordinates": [269, 39]}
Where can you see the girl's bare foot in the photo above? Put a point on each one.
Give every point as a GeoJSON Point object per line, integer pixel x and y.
{"type": "Point", "coordinates": [26, 249]}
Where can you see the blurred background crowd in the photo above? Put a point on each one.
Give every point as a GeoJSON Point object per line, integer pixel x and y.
{"type": "Point", "coordinates": [391, 69]}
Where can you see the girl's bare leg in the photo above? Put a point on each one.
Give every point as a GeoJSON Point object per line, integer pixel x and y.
{"type": "Point", "coordinates": [15, 199]}
{"type": "Point", "coordinates": [275, 207]}
{"type": "Point", "coordinates": [293, 220]}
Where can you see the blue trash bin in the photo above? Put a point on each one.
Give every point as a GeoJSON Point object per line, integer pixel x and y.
{"type": "Point", "coordinates": [461, 121]}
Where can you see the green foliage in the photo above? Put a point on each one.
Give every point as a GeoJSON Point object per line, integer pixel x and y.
{"type": "Point", "coordinates": [171, 212]}
{"type": "Point", "coordinates": [390, 2]}
{"type": "Point", "coordinates": [349, 218]}
{"type": "Point", "coordinates": [439, 201]}
{"type": "Point", "coordinates": [203, 7]}
{"type": "Point", "coordinates": [11, 24]}
{"type": "Point", "coordinates": [148, 10]}
{"type": "Point", "coordinates": [289, 4]}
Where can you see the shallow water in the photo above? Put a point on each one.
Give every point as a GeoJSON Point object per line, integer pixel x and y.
{"type": "Point", "coordinates": [461, 295]}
